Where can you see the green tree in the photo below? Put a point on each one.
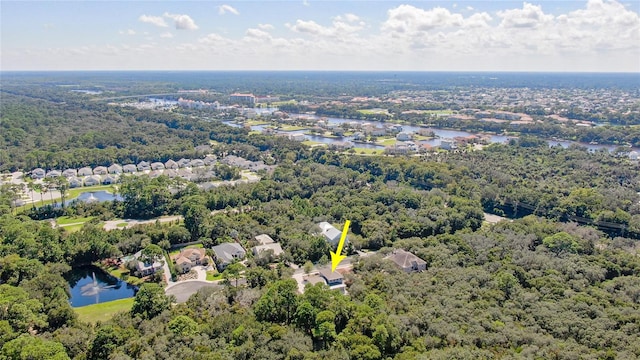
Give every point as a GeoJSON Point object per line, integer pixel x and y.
{"type": "Point", "coordinates": [28, 347]}
{"type": "Point", "coordinates": [150, 301]}
{"type": "Point", "coordinates": [561, 243]}
{"type": "Point", "coordinates": [183, 325]}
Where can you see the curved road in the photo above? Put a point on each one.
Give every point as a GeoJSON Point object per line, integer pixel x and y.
{"type": "Point", "coordinates": [184, 289]}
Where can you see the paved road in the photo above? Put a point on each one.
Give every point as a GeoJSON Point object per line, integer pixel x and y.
{"type": "Point", "coordinates": [184, 289]}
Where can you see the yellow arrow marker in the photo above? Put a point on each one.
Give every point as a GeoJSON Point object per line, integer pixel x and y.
{"type": "Point", "coordinates": [337, 257]}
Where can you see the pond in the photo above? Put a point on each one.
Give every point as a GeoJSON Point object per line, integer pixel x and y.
{"type": "Point", "coordinates": [95, 196]}
{"type": "Point", "coordinates": [90, 285]}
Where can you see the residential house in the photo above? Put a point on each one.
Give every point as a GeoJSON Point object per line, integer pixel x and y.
{"type": "Point", "coordinates": [109, 179]}
{"type": "Point", "coordinates": [170, 164]}
{"type": "Point", "coordinates": [633, 156]}
{"type": "Point", "coordinates": [374, 131]}
{"type": "Point", "coordinates": [297, 137]}
{"type": "Point", "coordinates": [448, 144]}
{"type": "Point", "coordinates": [115, 169]}
{"type": "Point", "coordinates": [188, 258]}
{"type": "Point", "coordinates": [92, 180]}
{"type": "Point", "coordinates": [275, 247]}
{"type": "Point", "coordinates": [147, 268]}
{"type": "Point", "coordinates": [185, 174]}
{"type": "Point", "coordinates": [157, 166]}
{"type": "Point", "coordinates": [171, 173]}
{"type": "Point", "coordinates": [183, 162]}
{"type": "Point", "coordinates": [129, 168]}
{"type": "Point", "coordinates": [53, 174]}
{"type": "Point", "coordinates": [332, 278]}
{"type": "Point", "coordinates": [264, 239]}
{"type": "Point", "coordinates": [209, 159]}
{"type": "Point", "coordinates": [143, 166]}
{"type": "Point", "coordinates": [407, 261]}
{"type": "Point", "coordinates": [359, 136]}
{"type": "Point", "coordinates": [100, 170]}
{"type": "Point", "coordinates": [74, 182]}
{"type": "Point", "coordinates": [341, 145]}
{"type": "Point", "coordinates": [70, 173]}
{"type": "Point", "coordinates": [38, 173]}
{"type": "Point", "coordinates": [404, 136]}
{"type": "Point", "coordinates": [85, 171]}
{"type": "Point", "coordinates": [226, 253]}
{"type": "Point", "coordinates": [330, 233]}
{"type": "Point", "coordinates": [397, 148]}
{"type": "Point", "coordinates": [154, 173]}
{"type": "Point", "coordinates": [196, 163]}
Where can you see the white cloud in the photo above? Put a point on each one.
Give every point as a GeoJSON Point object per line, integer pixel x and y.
{"type": "Point", "coordinates": [342, 25]}
{"type": "Point", "coordinates": [223, 9]}
{"type": "Point", "coordinates": [166, 35]}
{"type": "Point", "coordinates": [409, 19]}
{"type": "Point", "coordinates": [529, 16]}
{"type": "Point", "coordinates": [265, 26]}
{"type": "Point", "coordinates": [154, 20]}
{"type": "Point", "coordinates": [182, 22]}
{"type": "Point", "coordinates": [306, 3]}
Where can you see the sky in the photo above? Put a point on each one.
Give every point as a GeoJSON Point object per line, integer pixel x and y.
{"type": "Point", "coordinates": [574, 36]}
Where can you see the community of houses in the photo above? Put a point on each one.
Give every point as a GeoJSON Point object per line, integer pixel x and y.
{"type": "Point", "coordinates": [228, 253]}
{"type": "Point", "coordinates": [189, 169]}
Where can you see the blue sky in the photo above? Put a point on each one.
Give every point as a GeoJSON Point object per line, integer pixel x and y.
{"type": "Point", "coordinates": [595, 35]}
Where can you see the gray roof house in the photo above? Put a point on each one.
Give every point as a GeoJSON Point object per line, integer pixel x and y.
{"type": "Point", "coordinates": [184, 162]}
{"type": "Point", "coordinates": [185, 174]}
{"type": "Point", "coordinates": [92, 180]}
{"type": "Point", "coordinates": [143, 165]}
{"type": "Point", "coordinates": [226, 253]}
{"type": "Point", "coordinates": [53, 174]}
{"type": "Point", "coordinates": [209, 159]}
{"type": "Point", "coordinates": [145, 268]}
{"type": "Point", "coordinates": [171, 173]}
{"type": "Point", "coordinates": [196, 162]}
{"type": "Point", "coordinates": [157, 166]}
{"type": "Point", "coordinates": [115, 169]}
{"type": "Point", "coordinates": [74, 182]}
{"type": "Point", "coordinates": [330, 233]}
{"type": "Point", "coordinates": [69, 173]}
{"type": "Point", "coordinates": [170, 164]}
{"type": "Point", "coordinates": [407, 261]}
{"type": "Point", "coordinates": [109, 179]}
{"type": "Point", "coordinates": [332, 278]}
{"type": "Point", "coordinates": [275, 247]}
{"type": "Point", "coordinates": [38, 173]}
{"type": "Point", "coordinates": [85, 171]}
{"type": "Point", "coordinates": [100, 170]}
{"type": "Point", "coordinates": [129, 168]}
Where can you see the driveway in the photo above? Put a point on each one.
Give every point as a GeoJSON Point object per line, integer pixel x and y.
{"type": "Point", "coordinates": [184, 289]}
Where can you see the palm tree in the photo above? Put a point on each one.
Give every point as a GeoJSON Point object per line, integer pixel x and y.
{"type": "Point", "coordinates": [38, 188]}
{"type": "Point", "coordinates": [31, 186]}
{"type": "Point", "coordinates": [62, 184]}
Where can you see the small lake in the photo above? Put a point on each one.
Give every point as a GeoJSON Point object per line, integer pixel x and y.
{"type": "Point", "coordinates": [95, 196]}
{"type": "Point", "coordinates": [90, 285]}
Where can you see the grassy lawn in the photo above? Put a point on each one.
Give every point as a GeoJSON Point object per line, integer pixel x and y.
{"type": "Point", "coordinates": [213, 276]}
{"type": "Point", "coordinates": [369, 151]}
{"type": "Point", "coordinates": [65, 220]}
{"type": "Point", "coordinates": [72, 228]}
{"type": "Point", "coordinates": [374, 111]}
{"type": "Point", "coordinates": [255, 132]}
{"type": "Point", "coordinates": [291, 128]}
{"type": "Point", "coordinates": [122, 224]}
{"type": "Point", "coordinates": [278, 103]}
{"type": "Point", "coordinates": [103, 311]}
{"type": "Point", "coordinates": [257, 122]}
{"type": "Point", "coordinates": [387, 142]}
{"type": "Point", "coordinates": [74, 193]}
{"type": "Point", "coordinates": [310, 142]}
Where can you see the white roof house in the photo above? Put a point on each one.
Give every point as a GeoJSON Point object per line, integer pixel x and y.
{"type": "Point", "coordinates": [100, 170]}
{"type": "Point", "coordinates": [330, 233]}
{"type": "Point", "coordinates": [115, 169]}
{"type": "Point", "coordinates": [129, 168]}
{"type": "Point", "coordinates": [264, 239]}
{"type": "Point", "coordinates": [85, 171]}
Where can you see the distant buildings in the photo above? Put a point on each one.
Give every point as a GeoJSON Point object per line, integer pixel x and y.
{"type": "Point", "coordinates": [242, 98]}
